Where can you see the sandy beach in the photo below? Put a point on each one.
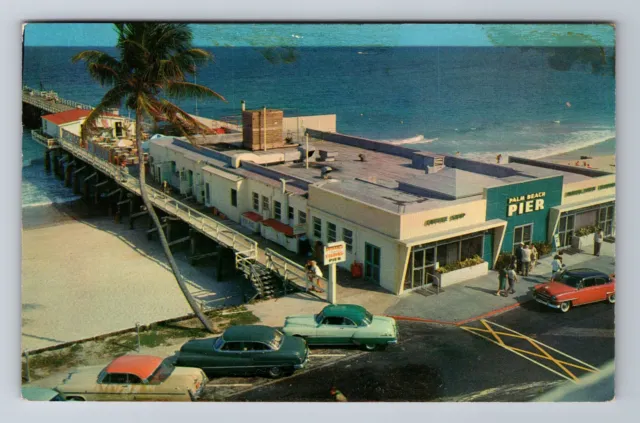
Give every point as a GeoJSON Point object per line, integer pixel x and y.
{"type": "Point", "coordinates": [85, 275]}
{"type": "Point", "coordinates": [585, 157]}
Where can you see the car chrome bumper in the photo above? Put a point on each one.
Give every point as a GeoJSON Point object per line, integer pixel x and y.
{"type": "Point", "coordinates": [547, 303]}
{"type": "Point", "coordinates": [392, 342]}
{"type": "Point", "coordinates": [304, 363]}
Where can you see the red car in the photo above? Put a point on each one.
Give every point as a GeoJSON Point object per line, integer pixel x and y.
{"type": "Point", "coordinates": [576, 287]}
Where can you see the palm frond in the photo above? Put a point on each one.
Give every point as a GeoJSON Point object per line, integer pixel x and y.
{"type": "Point", "coordinates": [177, 89]}
{"type": "Point", "coordinates": [112, 99]}
{"type": "Point", "coordinates": [101, 66]}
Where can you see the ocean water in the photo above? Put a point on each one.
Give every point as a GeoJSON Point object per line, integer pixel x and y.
{"type": "Point", "coordinates": [476, 101]}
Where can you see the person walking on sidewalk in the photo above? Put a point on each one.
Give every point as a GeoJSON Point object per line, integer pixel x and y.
{"type": "Point", "coordinates": [513, 278]}
{"type": "Point", "coordinates": [526, 260]}
{"type": "Point", "coordinates": [534, 256]}
{"type": "Point", "coordinates": [315, 274]}
{"type": "Point", "coordinates": [502, 281]}
{"type": "Point", "coordinates": [557, 267]}
{"type": "Point", "coordinates": [597, 242]}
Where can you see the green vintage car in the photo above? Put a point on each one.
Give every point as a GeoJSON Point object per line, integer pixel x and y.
{"type": "Point", "coordinates": [35, 393]}
{"type": "Point", "coordinates": [344, 324]}
{"type": "Point", "coordinates": [244, 350]}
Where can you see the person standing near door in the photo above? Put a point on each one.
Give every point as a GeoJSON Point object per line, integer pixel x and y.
{"type": "Point", "coordinates": [526, 260]}
{"type": "Point", "coordinates": [519, 258]}
{"type": "Point", "coordinates": [597, 242]}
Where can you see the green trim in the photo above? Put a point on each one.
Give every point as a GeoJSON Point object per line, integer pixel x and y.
{"type": "Point", "coordinates": [581, 191]}
{"type": "Point", "coordinates": [605, 186]}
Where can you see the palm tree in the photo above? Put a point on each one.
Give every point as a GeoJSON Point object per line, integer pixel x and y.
{"type": "Point", "coordinates": [153, 64]}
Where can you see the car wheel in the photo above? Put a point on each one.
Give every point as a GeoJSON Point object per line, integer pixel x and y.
{"type": "Point", "coordinates": [275, 372]}
{"type": "Point", "coordinates": [612, 298]}
{"type": "Point", "coordinates": [564, 307]}
{"type": "Point", "coordinates": [75, 399]}
{"type": "Point", "coordinates": [370, 347]}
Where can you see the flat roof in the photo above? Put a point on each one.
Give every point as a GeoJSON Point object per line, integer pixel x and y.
{"type": "Point", "coordinates": [383, 180]}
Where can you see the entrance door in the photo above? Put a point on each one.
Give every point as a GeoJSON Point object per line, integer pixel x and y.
{"type": "Point", "coordinates": [522, 234]}
{"type": "Point", "coordinates": [565, 229]}
{"type": "Point", "coordinates": [421, 268]}
{"type": "Point", "coordinates": [605, 220]}
{"type": "Point", "coordinates": [371, 262]}
{"type": "Point", "coordinates": [190, 180]}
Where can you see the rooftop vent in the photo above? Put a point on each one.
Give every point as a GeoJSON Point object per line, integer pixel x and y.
{"type": "Point", "coordinates": [438, 164]}
{"type": "Point", "coordinates": [328, 156]}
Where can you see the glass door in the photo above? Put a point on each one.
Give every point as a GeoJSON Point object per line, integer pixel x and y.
{"type": "Point", "coordinates": [421, 268]}
{"type": "Point", "coordinates": [372, 263]}
{"type": "Point", "coordinates": [522, 234]}
{"type": "Point", "coordinates": [605, 219]}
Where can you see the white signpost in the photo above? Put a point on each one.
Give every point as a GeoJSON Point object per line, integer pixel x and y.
{"type": "Point", "coordinates": [335, 252]}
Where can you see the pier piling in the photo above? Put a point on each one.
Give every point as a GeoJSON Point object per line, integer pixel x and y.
{"type": "Point", "coordinates": [47, 161]}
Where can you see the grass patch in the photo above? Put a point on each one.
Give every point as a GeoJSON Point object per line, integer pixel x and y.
{"type": "Point", "coordinates": [51, 361]}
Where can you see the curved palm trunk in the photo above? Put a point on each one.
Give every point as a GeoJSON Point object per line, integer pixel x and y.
{"type": "Point", "coordinates": [163, 239]}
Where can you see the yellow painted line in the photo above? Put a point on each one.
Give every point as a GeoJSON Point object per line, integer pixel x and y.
{"type": "Point", "coordinates": [553, 349]}
{"type": "Point", "coordinates": [553, 359]}
{"type": "Point", "coordinates": [500, 341]}
{"type": "Point", "coordinates": [563, 362]}
{"type": "Point", "coordinates": [517, 353]}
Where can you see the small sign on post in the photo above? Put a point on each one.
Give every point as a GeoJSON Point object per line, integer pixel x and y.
{"type": "Point", "coordinates": [334, 252]}
{"type": "Point", "coordinates": [556, 240]}
{"type": "Point", "coordinates": [300, 229]}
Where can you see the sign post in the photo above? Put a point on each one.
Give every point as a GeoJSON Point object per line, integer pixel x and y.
{"type": "Point", "coordinates": [335, 252]}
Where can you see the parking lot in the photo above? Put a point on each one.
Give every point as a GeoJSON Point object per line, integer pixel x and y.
{"type": "Point", "coordinates": [450, 363]}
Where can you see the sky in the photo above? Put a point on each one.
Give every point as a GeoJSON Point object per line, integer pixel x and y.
{"type": "Point", "coordinates": [316, 35]}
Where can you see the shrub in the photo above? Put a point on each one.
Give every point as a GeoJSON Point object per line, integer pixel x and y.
{"type": "Point", "coordinates": [461, 264]}
{"type": "Point", "coordinates": [586, 230]}
{"type": "Point", "coordinates": [504, 260]}
{"type": "Point", "coordinates": [543, 248]}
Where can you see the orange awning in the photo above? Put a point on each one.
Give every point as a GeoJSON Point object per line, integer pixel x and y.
{"type": "Point", "coordinates": [279, 226]}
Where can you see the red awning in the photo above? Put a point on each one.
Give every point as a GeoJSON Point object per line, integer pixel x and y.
{"type": "Point", "coordinates": [252, 216]}
{"type": "Point", "coordinates": [279, 226]}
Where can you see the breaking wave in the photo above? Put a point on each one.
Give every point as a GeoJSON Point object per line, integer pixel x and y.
{"type": "Point", "coordinates": [418, 139]}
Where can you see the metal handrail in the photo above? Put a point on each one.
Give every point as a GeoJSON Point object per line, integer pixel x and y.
{"type": "Point", "coordinates": [289, 269]}
{"type": "Point", "coordinates": [200, 221]}
{"type": "Point", "coordinates": [57, 99]}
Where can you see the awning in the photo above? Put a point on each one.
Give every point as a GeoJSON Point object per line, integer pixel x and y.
{"type": "Point", "coordinates": [252, 216]}
{"type": "Point", "coordinates": [575, 206]}
{"type": "Point", "coordinates": [453, 233]}
{"type": "Point", "coordinates": [278, 226]}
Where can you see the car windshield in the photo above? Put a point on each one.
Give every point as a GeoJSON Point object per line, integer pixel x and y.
{"type": "Point", "coordinates": [368, 318]}
{"type": "Point", "coordinates": [319, 318]}
{"type": "Point", "coordinates": [161, 374]}
{"type": "Point", "coordinates": [218, 343]}
{"type": "Point", "coordinates": [569, 279]}
{"type": "Point", "coordinates": [277, 340]}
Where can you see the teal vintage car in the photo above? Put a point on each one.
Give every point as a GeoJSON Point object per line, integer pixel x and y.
{"type": "Point", "coordinates": [344, 324]}
{"type": "Point", "coordinates": [246, 349]}
{"type": "Point", "coordinates": [35, 393]}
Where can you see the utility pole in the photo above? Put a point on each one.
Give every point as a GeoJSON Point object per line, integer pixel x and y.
{"type": "Point", "coordinates": [195, 81]}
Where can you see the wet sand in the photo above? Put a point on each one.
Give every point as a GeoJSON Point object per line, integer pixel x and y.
{"type": "Point", "coordinates": [84, 275]}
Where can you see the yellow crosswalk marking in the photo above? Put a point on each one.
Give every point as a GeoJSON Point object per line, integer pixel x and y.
{"type": "Point", "coordinates": [543, 351]}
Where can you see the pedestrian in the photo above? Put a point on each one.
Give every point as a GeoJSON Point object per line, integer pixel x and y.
{"type": "Point", "coordinates": [519, 257]}
{"type": "Point", "coordinates": [526, 260]}
{"type": "Point", "coordinates": [557, 267]}
{"type": "Point", "coordinates": [315, 276]}
{"type": "Point", "coordinates": [597, 242]}
{"type": "Point", "coordinates": [534, 256]}
{"type": "Point", "coordinates": [513, 262]}
{"type": "Point", "coordinates": [513, 278]}
{"type": "Point", "coordinates": [502, 281]}
{"type": "Point", "coordinates": [498, 158]}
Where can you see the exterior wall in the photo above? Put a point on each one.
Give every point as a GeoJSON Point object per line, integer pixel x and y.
{"type": "Point", "coordinates": [498, 201]}
{"type": "Point", "coordinates": [422, 223]}
{"type": "Point", "coordinates": [391, 258]}
{"type": "Point", "coordinates": [385, 222]}
{"type": "Point", "coordinates": [588, 190]}
{"type": "Point", "coordinates": [50, 128]}
{"type": "Point", "coordinates": [299, 124]}
{"type": "Point", "coordinates": [220, 194]}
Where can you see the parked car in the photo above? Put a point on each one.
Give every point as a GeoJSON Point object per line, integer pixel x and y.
{"type": "Point", "coordinates": [576, 287]}
{"type": "Point", "coordinates": [246, 349]}
{"type": "Point", "coordinates": [35, 393]}
{"type": "Point", "coordinates": [344, 324]}
{"type": "Point", "coordinates": [134, 378]}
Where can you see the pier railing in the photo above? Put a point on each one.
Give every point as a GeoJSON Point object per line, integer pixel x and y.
{"type": "Point", "coordinates": [290, 271]}
{"type": "Point", "coordinates": [204, 224]}
{"type": "Point", "coordinates": [46, 98]}
{"type": "Point", "coordinates": [45, 140]}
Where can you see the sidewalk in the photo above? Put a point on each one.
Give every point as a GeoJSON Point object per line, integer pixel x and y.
{"type": "Point", "coordinates": [455, 304]}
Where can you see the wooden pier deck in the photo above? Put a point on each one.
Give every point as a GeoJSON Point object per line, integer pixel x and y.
{"type": "Point", "coordinates": [39, 99]}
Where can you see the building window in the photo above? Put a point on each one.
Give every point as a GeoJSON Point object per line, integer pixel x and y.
{"type": "Point", "coordinates": [173, 167]}
{"type": "Point", "coordinates": [317, 228]}
{"type": "Point", "coordinates": [347, 237]}
{"type": "Point", "coordinates": [207, 193]}
{"type": "Point", "coordinates": [234, 197]}
{"type": "Point", "coordinates": [471, 247]}
{"type": "Point", "coordinates": [291, 214]}
{"type": "Point", "coordinates": [331, 232]}
{"type": "Point", "coordinates": [277, 210]}
{"type": "Point", "coordinates": [265, 204]}
{"type": "Point", "coordinates": [256, 202]}
{"type": "Point", "coordinates": [302, 217]}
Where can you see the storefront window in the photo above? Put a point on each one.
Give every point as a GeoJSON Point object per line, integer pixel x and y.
{"type": "Point", "coordinates": [471, 247]}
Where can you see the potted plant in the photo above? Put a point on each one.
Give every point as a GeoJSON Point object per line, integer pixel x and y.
{"type": "Point", "coordinates": [583, 237]}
